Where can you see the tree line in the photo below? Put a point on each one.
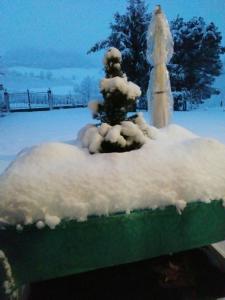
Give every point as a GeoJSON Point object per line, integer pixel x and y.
{"type": "Point", "coordinates": [197, 53]}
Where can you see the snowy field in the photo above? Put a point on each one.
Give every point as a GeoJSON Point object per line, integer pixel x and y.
{"type": "Point", "coordinates": [61, 81]}
{"type": "Point", "coordinates": [21, 130]}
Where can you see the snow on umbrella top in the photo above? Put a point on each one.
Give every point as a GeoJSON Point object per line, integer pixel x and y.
{"type": "Point", "coordinates": [159, 52]}
{"type": "Point", "coordinates": [159, 39]}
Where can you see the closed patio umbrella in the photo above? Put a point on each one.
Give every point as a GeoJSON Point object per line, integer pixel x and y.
{"type": "Point", "coordinates": [159, 53]}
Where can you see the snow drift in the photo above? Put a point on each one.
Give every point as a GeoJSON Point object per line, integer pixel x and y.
{"type": "Point", "coordinates": [57, 181]}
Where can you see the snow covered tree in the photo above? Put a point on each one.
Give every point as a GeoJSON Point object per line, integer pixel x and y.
{"type": "Point", "coordinates": [87, 89]}
{"type": "Point", "coordinates": [197, 58]}
{"type": "Point", "coordinates": [118, 94]}
{"type": "Point", "coordinates": [116, 132]}
{"type": "Point", "coordinates": [128, 34]}
{"type": "Point", "coordinates": [117, 91]}
{"type": "Point", "coordinates": [49, 75]}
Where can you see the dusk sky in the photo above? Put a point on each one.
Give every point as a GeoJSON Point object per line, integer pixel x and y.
{"type": "Point", "coordinates": [75, 25]}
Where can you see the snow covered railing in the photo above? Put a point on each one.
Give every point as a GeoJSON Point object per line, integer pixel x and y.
{"type": "Point", "coordinates": [28, 101]}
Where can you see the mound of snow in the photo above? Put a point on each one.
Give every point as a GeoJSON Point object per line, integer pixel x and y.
{"type": "Point", "coordinates": [56, 181]}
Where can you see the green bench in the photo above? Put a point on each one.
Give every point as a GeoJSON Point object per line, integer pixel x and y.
{"type": "Point", "coordinates": [75, 247]}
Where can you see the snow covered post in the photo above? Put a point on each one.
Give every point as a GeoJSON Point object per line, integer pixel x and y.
{"type": "Point", "coordinates": [159, 53]}
{"type": "Point", "coordinates": [6, 101]}
{"type": "Point", "coordinates": [50, 100]}
{"type": "Point", "coordinates": [28, 98]}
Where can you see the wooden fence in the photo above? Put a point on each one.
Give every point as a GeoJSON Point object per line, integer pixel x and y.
{"type": "Point", "coordinates": [30, 101]}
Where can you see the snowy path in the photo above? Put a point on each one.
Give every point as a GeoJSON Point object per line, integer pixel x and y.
{"type": "Point", "coordinates": [21, 130]}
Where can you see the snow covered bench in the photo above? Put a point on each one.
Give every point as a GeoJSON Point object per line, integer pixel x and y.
{"type": "Point", "coordinates": [75, 247]}
{"type": "Point", "coordinates": [64, 211]}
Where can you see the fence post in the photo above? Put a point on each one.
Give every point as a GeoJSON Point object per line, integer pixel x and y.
{"type": "Point", "coordinates": [6, 101]}
{"type": "Point", "coordinates": [28, 97]}
{"type": "Point", "coordinates": [50, 99]}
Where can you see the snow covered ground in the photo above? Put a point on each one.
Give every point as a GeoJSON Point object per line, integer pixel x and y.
{"type": "Point", "coordinates": [21, 130]}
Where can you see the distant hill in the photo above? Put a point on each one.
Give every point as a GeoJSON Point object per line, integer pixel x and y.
{"type": "Point", "coordinates": [49, 59]}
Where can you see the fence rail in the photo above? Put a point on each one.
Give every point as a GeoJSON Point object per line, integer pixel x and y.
{"type": "Point", "coordinates": [29, 101]}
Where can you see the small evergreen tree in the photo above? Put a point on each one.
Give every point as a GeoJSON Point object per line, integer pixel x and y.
{"type": "Point", "coordinates": [117, 92]}
{"type": "Point", "coordinates": [117, 132]}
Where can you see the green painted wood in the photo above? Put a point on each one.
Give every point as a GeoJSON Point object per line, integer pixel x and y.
{"type": "Point", "coordinates": [74, 247]}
